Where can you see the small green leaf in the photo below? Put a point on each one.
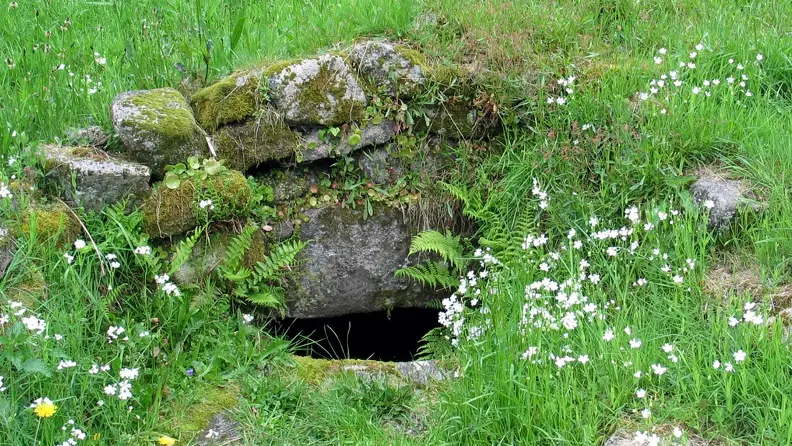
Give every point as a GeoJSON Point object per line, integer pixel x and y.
{"type": "Point", "coordinates": [212, 167]}
{"type": "Point", "coordinates": [172, 180]}
{"type": "Point", "coordinates": [194, 162]}
{"type": "Point", "coordinates": [33, 365]}
{"type": "Point", "coordinates": [179, 168]}
{"type": "Point", "coordinates": [335, 131]}
{"type": "Point", "coordinates": [313, 201]}
{"type": "Point", "coordinates": [354, 139]}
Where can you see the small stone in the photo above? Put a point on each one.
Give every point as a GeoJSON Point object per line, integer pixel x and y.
{"type": "Point", "coordinates": [90, 136]}
{"type": "Point", "coordinates": [725, 196]}
{"type": "Point", "coordinates": [222, 430]}
{"type": "Point", "coordinates": [7, 250]}
{"type": "Point", "coordinates": [157, 128]}
{"type": "Point", "coordinates": [253, 142]}
{"type": "Point", "coordinates": [93, 179]}
{"type": "Point", "coordinates": [380, 166]}
{"type": "Point", "coordinates": [319, 91]}
{"type": "Point", "coordinates": [392, 68]}
{"type": "Point", "coordinates": [422, 372]}
{"type": "Point", "coordinates": [315, 148]}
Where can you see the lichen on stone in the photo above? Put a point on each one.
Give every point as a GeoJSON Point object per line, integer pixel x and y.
{"type": "Point", "coordinates": [229, 100]}
{"type": "Point", "coordinates": [320, 91]}
{"type": "Point", "coordinates": [388, 67]}
{"type": "Point", "coordinates": [266, 138]}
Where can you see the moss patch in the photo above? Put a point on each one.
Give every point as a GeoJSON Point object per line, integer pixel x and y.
{"type": "Point", "coordinates": [232, 99]}
{"type": "Point", "coordinates": [191, 413]}
{"type": "Point", "coordinates": [316, 371]}
{"type": "Point", "coordinates": [30, 291]}
{"type": "Point", "coordinates": [264, 139]}
{"type": "Point", "coordinates": [51, 223]}
{"type": "Point", "coordinates": [169, 212]}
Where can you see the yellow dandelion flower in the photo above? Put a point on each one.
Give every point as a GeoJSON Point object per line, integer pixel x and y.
{"type": "Point", "coordinates": [166, 440]}
{"type": "Point", "coordinates": [44, 408]}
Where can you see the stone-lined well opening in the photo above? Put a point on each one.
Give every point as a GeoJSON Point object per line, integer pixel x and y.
{"type": "Point", "coordinates": [376, 336]}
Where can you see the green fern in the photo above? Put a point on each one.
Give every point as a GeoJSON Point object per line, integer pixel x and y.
{"type": "Point", "coordinates": [445, 245]}
{"type": "Point", "coordinates": [184, 250]}
{"type": "Point", "coordinates": [432, 274]}
{"type": "Point", "coordinates": [235, 253]}
{"type": "Point", "coordinates": [281, 258]}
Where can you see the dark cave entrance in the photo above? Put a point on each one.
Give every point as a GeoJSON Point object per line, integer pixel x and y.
{"type": "Point", "coordinates": [378, 336]}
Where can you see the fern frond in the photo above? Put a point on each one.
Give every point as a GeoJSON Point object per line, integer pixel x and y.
{"type": "Point", "coordinates": [445, 245]}
{"type": "Point", "coordinates": [432, 274]}
{"type": "Point", "coordinates": [266, 296]}
{"type": "Point", "coordinates": [281, 257]}
{"type": "Point", "coordinates": [184, 250]}
{"type": "Point", "coordinates": [237, 248]}
{"type": "Point", "coordinates": [434, 345]}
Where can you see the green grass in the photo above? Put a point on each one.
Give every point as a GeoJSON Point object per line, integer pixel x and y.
{"type": "Point", "coordinates": [633, 154]}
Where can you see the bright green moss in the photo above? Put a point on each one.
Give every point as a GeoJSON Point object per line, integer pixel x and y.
{"type": "Point", "coordinates": [192, 413]}
{"type": "Point", "coordinates": [168, 212]}
{"type": "Point", "coordinates": [230, 100]}
{"type": "Point", "coordinates": [313, 97]}
{"type": "Point", "coordinates": [51, 223]}
{"type": "Point", "coordinates": [264, 139]}
{"type": "Point", "coordinates": [316, 371]}
{"type": "Point", "coordinates": [163, 111]}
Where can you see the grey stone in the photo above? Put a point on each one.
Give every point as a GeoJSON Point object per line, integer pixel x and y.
{"type": "Point", "coordinates": [418, 373]}
{"type": "Point", "coordinates": [7, 250]}
{"type": "Point", "coordinates": [349, 264]}
{"type": "Point", "coordinates": [390, 67]}
{"type": "Point", "coordinates": [380, 166]}
{"type": "Point", "coordinates": [290, 184]}
{"type": "Point", "coordinates": [157, 128]}
{"type": "Point", "coordinates": [93, 179]}
{"type": "Point", "coordinates": [90, 136]}
{"type": "Point", "coordinates": [319, 91]}
{"type": "Point", "coordinates": [222, 430]}
{"type": "Point", "coordinates": [315, 148]}
{"type": "Point", "coordinates": [724, 196]}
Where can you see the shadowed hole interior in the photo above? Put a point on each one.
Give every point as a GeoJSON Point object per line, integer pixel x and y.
{"type": "Point", "coordinates": [378, 336]}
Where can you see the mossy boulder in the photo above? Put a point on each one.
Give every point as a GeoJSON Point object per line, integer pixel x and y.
{"type": "Point", "coordinates": [51, 222]}
{"type": "Point", "coordinates": [91, 178]}
{"type": "Point", "coordinates": [315, 148]}
{"type": "Point", "coordinates": [232, 99]}
{"type": "Point", "coordinates": [290, 184]}
{"type": "Point", "coordinates": [168, 212]}
{"type": "Point", "coordinates": [246, 145]}
{"type": "Point", "coordinates": [157, 128]}
{"type": "Point", "coordinates": [349, 264]}
{"type": "Point", "coordinates": [321, 91]}
{"type": "Point", "coordinates": [388, 67]}
{"type": "Point", "coordinates": [416, 373]}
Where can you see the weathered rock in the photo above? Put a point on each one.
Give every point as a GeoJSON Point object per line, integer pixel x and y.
{"type": "Point", "coordinates": [168, 212]}
{"type": "Point", "coordinates": [222, 430]}
{"type": "Point", "coordinates": [290, 184]}
{"type": "Point", "coordinates": [246, 145]}
{"type": "Point", "coordinates": [232, 99]}
{"type": "Point", "coordinates": [457, 119]}
{"type": "Point", "coordinates": [380, 165]}
{"type": "Point", "coordinates": [93, 179]}
{"type": "Point", "coordinates": [319, 91]}
{"type": "Point", "coordinates": [7, 250]}
{"type": "Point", "coordinates": [724, 197]}
{"type": "Point", "coordinates": [388, 67]}
{"type": "Point", "coordinates": [92, 136]}
{"type": "Point", "coordinates": [349, 264]}
{"type": "Point", "coordinates": [315, 148]}
{"type": "Point", "coordinates": [157, 128]}
{"type": "Point", "coordinates": [418, 373]}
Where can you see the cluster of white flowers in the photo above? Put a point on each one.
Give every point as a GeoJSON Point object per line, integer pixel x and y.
{"type": "Point", "coordinates": [113, 259]}
{"type": "Point", "coordinates": [167, 286]}
{"type": "Point", "coordinates": [66, 364]}
{"type": "Point", "coordinates": [75, 434]}
{"type": "Point", "coordinates": [143, 250]}
{"type": "Point", "coordinates": [541, 194]}
{"type": "Point", "coordinates": [662, 88]}
{"type": "Point", "coordinates": [5, 192]}
{"type": "Point", "coordinates": [34, 324]}
{"type": "Point", "coordinates": [114, 333]}
{"type": "Point", "coordinates": [203, 204]}
{"type": "Point", "coordinates": [566, 85]}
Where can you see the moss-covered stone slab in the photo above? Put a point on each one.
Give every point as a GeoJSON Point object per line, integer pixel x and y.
{"type": "Point", "coordinates": [51, 222]}
{"type": "Point", "coordinates": [91, 178]}
{"type": "Point", "coordinates": [168, 212]}
{"type": "Point", "coordinates": [93, 136]}
{"type": "Point", "coordinates": [348, 266]}
{"type": "Point", "coordinates": [419, 373]}
{"type": "Point", "coordinates": [314, 148]}
{"type": "Point", "coordinates": [457, 118]}
{"type": "Point", "coordinates": [321, 91]}
{"type": "Point", "coordinates": [232, 99]}
{"type": "Point", "coordinates": [157, 128]}
{"type": "Point", "coordinates": [246, 145]}
{"type": "Point", "coordinates": [388, 67]}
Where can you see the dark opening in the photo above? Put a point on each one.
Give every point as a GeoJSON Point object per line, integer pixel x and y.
{"type": "Point", "coordinates": [378, 336]}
